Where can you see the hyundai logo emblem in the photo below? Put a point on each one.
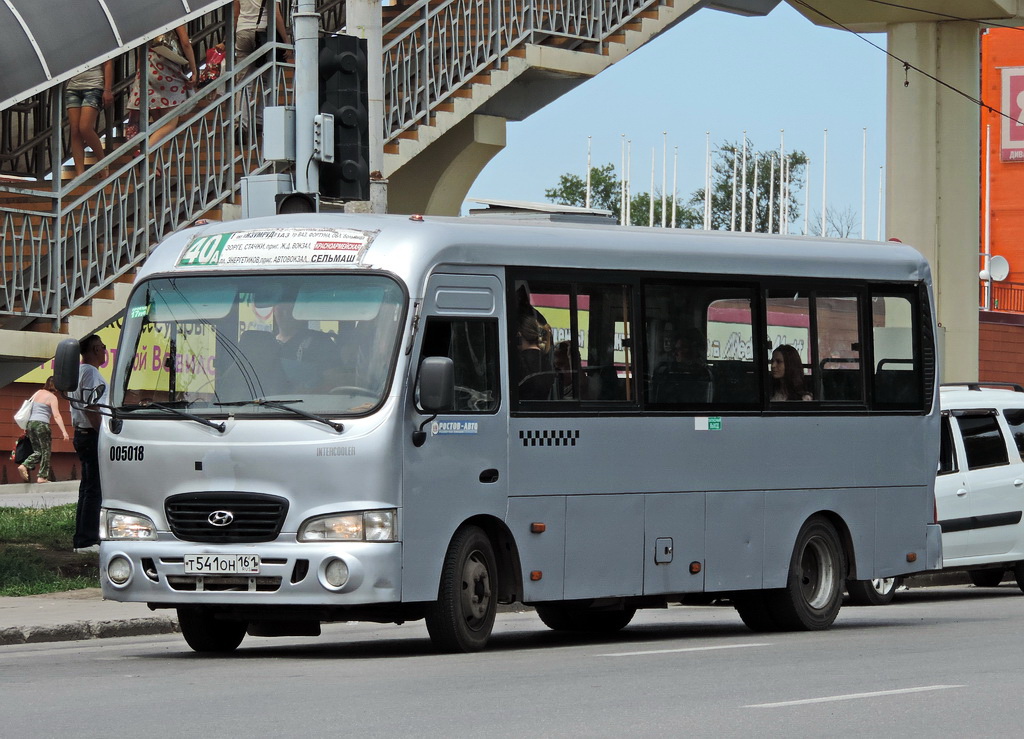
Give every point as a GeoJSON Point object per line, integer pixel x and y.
{"type": "Point", "coordinates": [220, 518]}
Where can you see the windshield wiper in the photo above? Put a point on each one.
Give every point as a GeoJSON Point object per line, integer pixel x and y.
{"type": "Point", "coordinates": [185, 414]}
{"type": "Point", "coordinates": [280, 405]}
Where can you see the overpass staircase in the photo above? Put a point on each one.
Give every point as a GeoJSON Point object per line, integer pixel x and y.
{"type": "Point", "coordinates": [71, 245]}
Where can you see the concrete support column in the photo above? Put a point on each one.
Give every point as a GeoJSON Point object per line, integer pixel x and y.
{"type": "Point", "coordinates": [933, 172]}
{"type": "Point", "coordinates": [438, 180]}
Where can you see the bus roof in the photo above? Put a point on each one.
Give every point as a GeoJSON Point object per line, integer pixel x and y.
{"type": "Point", "coordinates": [411, 246]}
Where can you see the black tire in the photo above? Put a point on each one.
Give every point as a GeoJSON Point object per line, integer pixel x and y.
{"type": "Point", "coordinates": [755, 610]}
{"type": "Point", "coordinates": [581, 619]}
{"type": "Point", "coordinates": [1018, 572]}
{"type": "Point", "coordinates": [877, 592]}
{"type": "Point", "coordinates": [209, 635]}
{"type": "Point", "coordinates": [986, 578]}
{"type": "Point", "coordinates": [814, 590]}
{"type": "Point", "coordinates": [462, 617]}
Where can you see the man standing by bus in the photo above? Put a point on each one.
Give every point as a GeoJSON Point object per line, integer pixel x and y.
{"type": "Point", "coordinates": [85, 415]}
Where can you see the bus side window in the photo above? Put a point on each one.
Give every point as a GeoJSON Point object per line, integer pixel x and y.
{"type": "Point", "coordinates": [473, 345]}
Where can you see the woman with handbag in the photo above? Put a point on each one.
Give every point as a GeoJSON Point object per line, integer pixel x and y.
{"type": "Point", "coordinates": [171, 73]}
{"type": "Point", "coordinates": [44, 408]}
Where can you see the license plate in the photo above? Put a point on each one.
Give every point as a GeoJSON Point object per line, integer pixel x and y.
{"type": "Point", "coordinates": [222, 564]}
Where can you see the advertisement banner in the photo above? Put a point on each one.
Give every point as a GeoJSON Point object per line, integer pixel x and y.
{"type": "Point", "coordinates": [1011, 147]}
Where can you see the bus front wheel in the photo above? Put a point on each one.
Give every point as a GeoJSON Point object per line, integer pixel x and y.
{"type": "Point", "coordinates": [814, 588]}
{"type": "Point", "coordinates": [462, 617]}
{"type": "Point", "coordinates": [207, 634]}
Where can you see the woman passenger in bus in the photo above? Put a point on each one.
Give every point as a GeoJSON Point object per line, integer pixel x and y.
{"type": "Point", "coordinates": [788, 375]}
{"type": "Point", "coordinates": [536, 375]}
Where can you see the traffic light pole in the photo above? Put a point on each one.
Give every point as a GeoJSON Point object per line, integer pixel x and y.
{"type": "Point", "coordinates": [363, 19]}
{"type": "Point", "coordinates": [306, 31]}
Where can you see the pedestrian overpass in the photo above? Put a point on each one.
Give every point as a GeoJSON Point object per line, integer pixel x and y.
{"type": "Point", "coordinates": [454, 74]}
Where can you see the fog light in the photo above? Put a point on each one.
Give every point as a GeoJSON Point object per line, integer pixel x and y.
{"type": "Point", "coordinates": [119, 570]}
{"type": "Point", "coordinates": [336, 573]}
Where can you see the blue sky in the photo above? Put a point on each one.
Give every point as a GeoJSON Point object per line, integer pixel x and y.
{"type": "Point", "coordinates": [721, 73]}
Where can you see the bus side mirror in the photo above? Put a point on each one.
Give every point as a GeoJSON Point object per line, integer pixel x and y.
{"type": "Point", "coordinates": [437, 384]}
{"type": "Point", "coordinates": [65, 365]}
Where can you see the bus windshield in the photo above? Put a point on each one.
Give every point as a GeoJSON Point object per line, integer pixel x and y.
{"type": "Point", "coordinates": [248, 343]}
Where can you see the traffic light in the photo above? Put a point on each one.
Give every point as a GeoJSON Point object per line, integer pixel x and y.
{"type": "Point", "coordinates": [342, 94]}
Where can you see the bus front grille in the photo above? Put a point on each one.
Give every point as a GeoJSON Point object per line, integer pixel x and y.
{"type": "Point", "coordinates": [225, 518]}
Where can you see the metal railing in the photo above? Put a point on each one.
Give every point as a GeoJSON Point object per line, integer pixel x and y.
{"type": "Point", "coordinates": [1007, 297]}
{"type": "Point", "coordinates": [62, 245]}
{"type": "Point", "coordinates": [64, 241]}
{"type": "Point", "coordinates": [434, 48]}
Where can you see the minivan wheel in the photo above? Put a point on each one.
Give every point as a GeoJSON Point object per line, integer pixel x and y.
{"type": "Point", "coordinates": [1018, 572]}
{"type": "Point", "coordinates": [877, 592]}
{"type": "Point", "coordinates": [986, 578]}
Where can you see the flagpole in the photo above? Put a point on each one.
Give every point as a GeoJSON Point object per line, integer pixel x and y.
{"type": "Point", "coordinates": [664, 175]}
{"type": "Point", "coordinates": [622, 180]}
{"type": "Point", "coordinates": [753, 198]}
{"type": "Point", "coordinates": [782, 171]}
{"type": "Point", "coordinates": [629, 181]}
{"type": "Point", "coordinates": [864, 184]}
{"type": "Point", "coordinates": [675, 180]}
{"type": "Point", "coordinates": [807, 195]}
{"type": "Point", "coordinates": [880, 187]}
{"type": "Point", "coordinates": [824, 184]}
{"type": "Point", "coordinates": [771, 194]}
{"type": "Point", "coordinates": [732, 223]}
{"type": "Point", "coordinates": [707, 180]}
{"type": "Point", "coordinates": [587, 202]}
{"type": "Point", "coordinates": [650, 198]}
{"type": "Point", "coordinates": [743, 187]}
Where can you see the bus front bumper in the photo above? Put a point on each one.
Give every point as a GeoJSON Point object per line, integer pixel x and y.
{"type": "Point", "coordinates": [286, 573]}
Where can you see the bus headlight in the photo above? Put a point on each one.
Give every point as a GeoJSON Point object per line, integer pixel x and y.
{"type": "Point", "coordinates": [360, 526]}
{"type": "Point", "coordinates": [121, 525]}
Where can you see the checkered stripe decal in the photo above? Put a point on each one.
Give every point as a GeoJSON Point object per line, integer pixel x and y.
{"type": "Point", "coordinates": [550, 437]}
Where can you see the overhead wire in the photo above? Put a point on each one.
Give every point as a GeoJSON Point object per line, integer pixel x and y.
{"type": "Point", "coordinates": [906, 65]}
{"type": "Point", "coordinates": [949, 16]}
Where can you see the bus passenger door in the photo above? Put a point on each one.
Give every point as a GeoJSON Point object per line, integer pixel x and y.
{"type": "Point", "coordinates": [460, 470]}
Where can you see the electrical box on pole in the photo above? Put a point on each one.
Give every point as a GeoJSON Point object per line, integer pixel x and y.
{"type": "Point", "coordinates": [342, 94]}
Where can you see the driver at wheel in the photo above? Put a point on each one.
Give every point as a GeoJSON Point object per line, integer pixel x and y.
{"type": "Point", "coordinates": [306, 354]}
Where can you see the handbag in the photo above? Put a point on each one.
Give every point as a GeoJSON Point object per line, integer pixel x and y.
{"type": "Point", "coordinates": [261, 39]}
{"type": "Point", "coordinates": [167, 47]}
{"type": "Point", "coordinates": [22, 415]}
{"type": "Point", "coordinates": [22, 449]}
{"type": "Point", "coordinates": [211, 72]}
{"type": "Point", "coordinates": [262, 36]}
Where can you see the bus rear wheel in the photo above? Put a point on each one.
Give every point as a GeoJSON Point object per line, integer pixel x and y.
{"type": "Point", "coordinates": [581, 619]}
{"type": "Point", "coordinates": [814, 589]}
{"type": "Point", "coordinates": [210, 635]}
{"type": "Point", "coordinates": [877, 592]}
{"type": "Point", "coordinates": [462, 617]}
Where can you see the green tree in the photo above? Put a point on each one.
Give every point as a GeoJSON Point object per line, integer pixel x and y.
{"type": "Point", "coordinates": [606, 193]}
{"type": "Point", "coordinates": [768, 188]}
{"type": "Point", "coordinates": [605, 190]}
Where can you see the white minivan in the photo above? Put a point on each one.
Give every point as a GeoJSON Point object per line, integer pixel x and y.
{"type": "Point", "coordinates": [979, 489]}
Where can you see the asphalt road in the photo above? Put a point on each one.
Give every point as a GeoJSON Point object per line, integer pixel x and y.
{"type": "Point", "coordinates": [940, 662]}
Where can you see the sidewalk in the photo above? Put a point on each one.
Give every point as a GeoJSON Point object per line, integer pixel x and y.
{"type": "Point", "coordinates": [77, 614]}
{"type": "Point", "coordinates": [38, 495]}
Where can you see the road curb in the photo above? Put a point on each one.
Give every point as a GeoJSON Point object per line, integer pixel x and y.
{"type": "Point", "coordinates": [82, 630]}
